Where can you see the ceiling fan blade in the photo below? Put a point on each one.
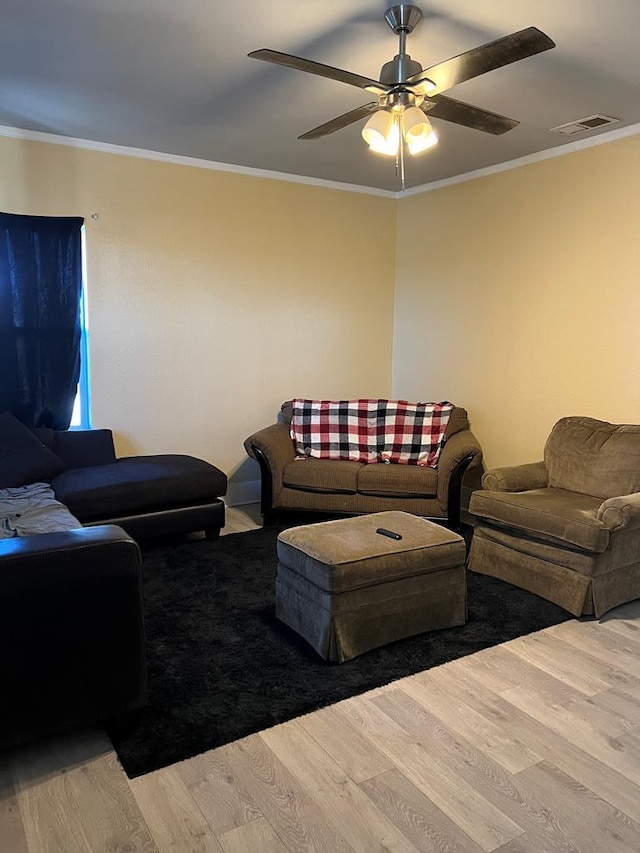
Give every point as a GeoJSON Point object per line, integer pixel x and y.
{"type": "Point", "coordinates": [487, 57]}
{"type": "Point", "coordinates": [319, 69]}
{"type": "Point", "coordinates": [423, 85]}
{"type": "Point", "coordinates": [341, 121]}
{"type": "Point", "coordinates": [448, 109]}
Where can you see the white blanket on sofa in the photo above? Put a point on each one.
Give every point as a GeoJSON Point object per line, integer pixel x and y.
{"type": "Point", "coordinates": [25, 510]}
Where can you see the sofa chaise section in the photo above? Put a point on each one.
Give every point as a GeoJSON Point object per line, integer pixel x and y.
{"type": "Point", "coordinates": [154, 495]}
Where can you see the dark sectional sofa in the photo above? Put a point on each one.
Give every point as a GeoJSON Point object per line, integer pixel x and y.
{"type": "Point", "coordinates": [145, 495]}
{"type": "Point", "coordinates": [71, 609]}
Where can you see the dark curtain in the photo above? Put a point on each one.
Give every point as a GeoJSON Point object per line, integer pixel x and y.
{"type": "Point", "coordinates": [40, 287]}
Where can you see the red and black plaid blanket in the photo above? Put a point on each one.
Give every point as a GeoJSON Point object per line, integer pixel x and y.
{"type": "Point", "coordinates": [370, 430]}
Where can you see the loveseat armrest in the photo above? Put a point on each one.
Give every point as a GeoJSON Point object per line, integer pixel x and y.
{"type": "Point", "coordinates": [623, 511]}
{"type": "Point", "coordinates": [460, 452]}
{"type": "Point", "coordinates": [273, 448]}
{"type": "Point", "coordinates": [516, 478]}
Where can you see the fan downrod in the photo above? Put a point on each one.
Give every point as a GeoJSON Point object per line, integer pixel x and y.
{"type": "Point", "coordinates": [403, 18]}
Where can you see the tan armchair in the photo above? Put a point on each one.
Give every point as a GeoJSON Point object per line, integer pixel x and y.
{"type": "Point", "coordinates": [567, 528]}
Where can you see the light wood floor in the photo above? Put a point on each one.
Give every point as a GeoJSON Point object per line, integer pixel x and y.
{"type": "Point", "coordinates": [530, 747]}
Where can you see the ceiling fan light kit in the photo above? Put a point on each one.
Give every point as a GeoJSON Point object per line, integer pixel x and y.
{"type": "Point", "coordinates": [381, 133]}
{"type": "Point", "coordinates": [406, 92]}
{"type": "Point", "coordinates": [417, 131]}
{"type": "Point", "coordinates": [385, 130]}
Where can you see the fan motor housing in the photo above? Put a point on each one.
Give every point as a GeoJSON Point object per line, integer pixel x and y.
{"type": "Point", "coordinates": [399, 69]}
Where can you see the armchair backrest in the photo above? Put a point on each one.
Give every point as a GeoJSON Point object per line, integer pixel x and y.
{"type": "Point", "coordinates": [594, 457]}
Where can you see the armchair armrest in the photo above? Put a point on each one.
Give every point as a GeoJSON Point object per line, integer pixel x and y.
{"type": "Point", "coordinates": [516, 478]}
{"type": "Point", "coordinates": [273, 448]}
{"type": "Point", "coordinates": [460, 452]}
{"type": "Point", "coordinates": [623, 511]}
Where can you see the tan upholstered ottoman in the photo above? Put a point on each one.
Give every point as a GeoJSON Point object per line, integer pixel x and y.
{"type": "Point", "coordinates": [347, 589]}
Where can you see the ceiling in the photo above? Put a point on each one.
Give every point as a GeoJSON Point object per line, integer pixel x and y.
{"type": "Point", "coordinates": [173, 76]}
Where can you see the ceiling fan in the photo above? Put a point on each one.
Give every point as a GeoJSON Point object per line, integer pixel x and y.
{"type": "Point", "coordinates": [406, 92]}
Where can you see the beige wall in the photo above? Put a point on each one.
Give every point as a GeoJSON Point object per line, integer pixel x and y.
{"type": "Point", "coordinates": [518, 296]}
{"type": "Point", "coordinates": [213, 297]}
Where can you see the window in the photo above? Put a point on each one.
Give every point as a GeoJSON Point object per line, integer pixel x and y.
{"type": "Point", "coordinates": [81, 417]}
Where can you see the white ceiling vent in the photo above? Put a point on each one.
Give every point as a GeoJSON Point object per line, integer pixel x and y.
{"type": "Point", "coordinates": [584, 124]}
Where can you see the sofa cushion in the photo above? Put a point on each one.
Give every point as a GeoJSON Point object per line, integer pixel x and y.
{"type": "Point", "coordinates": [23, 457]}
{"type": "Point", "coordinates": [137, 484]}
{"type": "Point", "coordinates": [458, 420]}
{"type": "Point", "coordinates": [31, 509]}
{"type": "Point", "coordinates": [322, 475]}
{"type": "Point", "coordinates": [554, 515]}
{"type": "Point", "coordinates": [400, 481]}
{"type": "Point", "coordinates": [594, 457]}
{"type": "Point", "coordinates": [81, 448]}
{"type": "Point", "coordinates": [339, 556]}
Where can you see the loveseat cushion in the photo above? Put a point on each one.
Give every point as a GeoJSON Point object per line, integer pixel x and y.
{"type": "Point", "coordinates": [322, 475]}
{"type": "Point", "coordinates": [594, 457]}
{"type": "Point", "coordinates": [403, 481]}
{"type": "Point", "coordinates": [553, 515]}
{"type": "Point", "coordinates": [23, 457]}
{"type": "Point", "coordinates": [137, 484]}
{"type": "Point", "coordinates": [458, 420]}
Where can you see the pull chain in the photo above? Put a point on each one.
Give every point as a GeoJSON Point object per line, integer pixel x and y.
{"type": "Point", "coordinates": [400, 151]}
{"type": "Point", "coordinates": [401, 146]}
{"type": "Point", "coordinates": [395, 118]}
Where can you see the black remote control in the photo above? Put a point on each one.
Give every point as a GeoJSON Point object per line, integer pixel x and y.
{"type": "Point", "coordinates": [384, 532]}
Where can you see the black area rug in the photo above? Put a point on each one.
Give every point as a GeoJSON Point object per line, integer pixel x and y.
{"type": "Point", "coordinates": [221, 666]}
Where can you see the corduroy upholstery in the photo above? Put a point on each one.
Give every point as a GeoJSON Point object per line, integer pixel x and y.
{"type": "Point", "coordinates": [346, 588]}
{"type": "Point", "coordinates": [352, 488]}
{"type": "Point", "coordinates": [557, 528]}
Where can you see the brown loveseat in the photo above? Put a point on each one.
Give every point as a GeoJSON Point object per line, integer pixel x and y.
{"type": "Point", "coordinates": [351, 488]}
{"type": "Point", "coordinates": [566, 528]}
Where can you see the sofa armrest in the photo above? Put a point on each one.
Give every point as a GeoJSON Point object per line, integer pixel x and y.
{"type": "Point", "coordinates": [273, 448]}
{"type": "Point", "coordinates": [80, 448]}
{"type": "Point", "coordinates": [71, 630]}
{"type": "Point", "coordinates": [516, 478]}
{"type": "Point", "coordinates": [460, 452]}
{"type": "Point", "coordinates": [623, 511]}
{"type": "Point", "coordinates": [23, 554]}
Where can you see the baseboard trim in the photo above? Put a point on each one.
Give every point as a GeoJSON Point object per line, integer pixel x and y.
{"type": "Point", "coordinates": [243, 493]}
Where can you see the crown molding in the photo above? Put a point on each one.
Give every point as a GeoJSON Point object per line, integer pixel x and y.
{"type": "Point", "coordinates": [537, 157]}
{"type": "Point", "coordinates": [195, 162]}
